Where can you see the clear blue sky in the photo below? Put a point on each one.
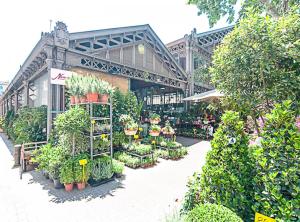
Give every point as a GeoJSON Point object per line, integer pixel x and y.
{"type": "Point", "coordinates": [22, 21]}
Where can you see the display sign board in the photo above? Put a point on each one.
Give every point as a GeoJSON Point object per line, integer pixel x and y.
{"type": "Point", "coordinates": [262, 218]}
{"type": "Point", "coordinates": [58, 76]}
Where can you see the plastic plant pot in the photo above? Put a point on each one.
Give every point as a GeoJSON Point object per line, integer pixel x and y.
{"type": "Point", "coordinates": [81, 186]}
{"type": "Point", "coordinates": [72, 99]}
{"type": "Point", "coordinates": [154, 121]}
{"type": "Point", "coordinates": [154, 133]}
{"type": "Point", "coordinates": [104, 98]}
{"type": "Point", "coordinates": [93, 97]}
{"type": "Point", "coordinates": [83, 99]}
{"type": "Point", "coordinates": [69, 187]}
{"type": "Point", "coordinates": [130, 132]}
{"type": "Point", "coordinates": [77, 100]}
{"type": "Point", "coordinates": [57, 184]}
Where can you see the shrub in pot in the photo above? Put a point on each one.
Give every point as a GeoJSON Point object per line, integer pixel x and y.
{"type": "Point", "coordinates": [102, 168]}
{"type": "Point", "coordinates": [227, 176]}
{"type": "Point", "coordinates": [66, 174]}
{"type": "Point", "coordinates": [154, 118]}
{"type": "Point", "coordinates": [57, 155]}
{"type": "Point", "coordinates": [168, 130]}
{"type": "Point", "coordinates": [42, 157]}
{"type": "Point", "coordinates": [74, 88]}
{"type": "Point", "coordinates": [118, 167]}
{"type": "Point", "coordinates": [154, 130]}
{"type": "Point", "coordinates": [277, 177]}
{"type": "Point", "coordinates": [211, 212]}
{"type": "Point", "coordinates": [81, 176]}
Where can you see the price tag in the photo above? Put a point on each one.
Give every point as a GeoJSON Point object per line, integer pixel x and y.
{"type": "Point", "coordinates": [262, 218]}
{"type": "Point", "coordinates": [140, 129]}
{"type": "Point", "coordinates": [83, 162]}
{"type": "Point", "coordinates": [136, 137]}
{"type": "Point", "coordinates": [93, 121]}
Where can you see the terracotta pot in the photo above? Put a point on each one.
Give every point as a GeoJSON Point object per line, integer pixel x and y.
{"type": "Point", "coordinates": [104, 98]}
{"type": "Point", "coordinates": [77, 100]}
{"type": "Point", "coordinates": [92, 97]}
{"type": "Point", "coordinates": [154, 133]}
{"type": "Point", "coordinates": [154, 121]}
{"type": "Point", "coordinates": [130, 132]}
{"type": "Point", "coordinates": [83, 99]}
{"type": "Point", "coordinates": [68, 187]}
{"type": "Point", "coordinates": [81, 186]}
{"type": "Point", "coordinates": [72, 99]}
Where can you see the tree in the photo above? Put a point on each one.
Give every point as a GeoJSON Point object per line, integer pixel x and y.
{"type": "Point", "coordinates": [219, 8]}
{"type": "Point", "coordinates": [258, 63]}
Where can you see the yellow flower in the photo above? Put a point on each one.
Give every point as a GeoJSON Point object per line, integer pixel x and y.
{"type": "Point", "coordinates": [103, 136]}
{"type": "Point", "coordinates": [136, 137]}
{"type": "Point", "coordinates": [140, 129]}
{"type": "Point", "coordinates": [93, 121]}
{"type": "Point", "coordinates": [153, 142]}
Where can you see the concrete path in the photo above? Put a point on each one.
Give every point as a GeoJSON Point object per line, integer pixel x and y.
{"type": "Point", "coordinates": [141, 195]}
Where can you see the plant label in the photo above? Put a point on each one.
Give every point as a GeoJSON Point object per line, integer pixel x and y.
{"type": "Point", "coordinates": [83, 162]}
{"type": "Point", "coordinates": [262, 218]}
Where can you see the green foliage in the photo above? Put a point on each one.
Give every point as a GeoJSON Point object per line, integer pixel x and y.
{"type": "Point", "coordinates": [258, 62]}
{"type": "Point", "coordinates": [277, 191]}
{"type": "Point", "coordinates": [125, 104]}
{"type": "Point", "coordinates": [42, 157]}
{"type": "Point", "coordinates": [73, 122]}
{"type": "Point", "coordinates": [66, 174]}
{"type": "Point", "coordinates": [141, 149]}
{"type": "Point", "coordinates": [102, 168]}
{"type": "Point", "coordinates": [155, 128]}
{"type": "Point", "coordinates": [8, 124]}
{"type": "Point", "coordinates": [81, 142]}
{"type": "Point", "coordinates": [56, 156]}
{"type": "Point", "coordinates": [30, 125]}
{"type": "Point", "coordinates": [79, 176]}
{"type": "Point", "coordinates": [227, 175]}
{"type": "Point", "coordinates": [215, 10]}
{"type": "Point", "coordinates": [119, 138]}
{"type": "Point", "coordinates": [202, 75]}
{"type": "Point", "coordinates": [129, 161]}
{"type": "Point", "coordinates": [118, 167]}
{"type": "Point", "coordinates": [212, 213]}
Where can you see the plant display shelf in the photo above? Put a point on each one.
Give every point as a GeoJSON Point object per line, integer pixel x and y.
{"type": "Point", "coordinates": [141, 157]}
{"type": "Point", "coordinates": [89, 106]}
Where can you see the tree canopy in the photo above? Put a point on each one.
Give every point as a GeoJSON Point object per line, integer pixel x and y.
{"type": "Point", "coordinates": [219, 8]}
{"type": "Point", "coordinates": [258, 63]}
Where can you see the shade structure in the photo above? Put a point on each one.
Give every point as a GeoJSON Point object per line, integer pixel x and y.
{"type": "Point", "coordinates": [206, 96]}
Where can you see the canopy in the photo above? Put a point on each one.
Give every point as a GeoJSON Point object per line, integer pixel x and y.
{"type": "Point", "coordinates": [206, 96]}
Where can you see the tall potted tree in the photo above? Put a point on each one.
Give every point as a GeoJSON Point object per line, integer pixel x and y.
{"type": "Point", "coordinates": [66, 174]}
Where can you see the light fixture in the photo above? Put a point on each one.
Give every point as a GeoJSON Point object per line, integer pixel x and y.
{"type": "Point", "coordinates": [141, 49]}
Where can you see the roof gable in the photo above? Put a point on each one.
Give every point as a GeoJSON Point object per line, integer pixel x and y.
{"type": "Point", "coordinates": [123, 45]}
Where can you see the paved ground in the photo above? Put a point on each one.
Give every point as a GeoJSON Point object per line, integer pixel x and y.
{"type": "Point", "coordinates": [141, 195]}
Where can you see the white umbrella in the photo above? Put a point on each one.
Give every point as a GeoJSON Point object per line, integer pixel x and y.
{"type": "Point", "coordinates": [212, 94]}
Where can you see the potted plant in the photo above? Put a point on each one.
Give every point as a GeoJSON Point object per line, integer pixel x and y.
{"type": "Point", "coordinates": [92, 90]}
{"type": "Point", "coordinates": [131, 128]}
{"type": "Point", "coordinates": [154, 118]}
{"type": "Point", "coordinates": [168, 130]}
{"type": "Point", "coordinates": [81, 172]}
{"type": "Point", "coordinates": [124, 119]}
{"type": "Point", "coordinates": [66, 174]}
{"type": "Point", "coordinates": [118, 168]}
{"type": "Point", "coordinates": [105, 89]}
{"type": "Point", "coordinates": [154, 130]}
{"type": "Point", "coordinates": [56, 158]}
{"type": "Point", "coordinates": [101, 170]}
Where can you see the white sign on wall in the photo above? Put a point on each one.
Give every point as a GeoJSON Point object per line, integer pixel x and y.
{"type": "Point", "coordinates": [58, 76]}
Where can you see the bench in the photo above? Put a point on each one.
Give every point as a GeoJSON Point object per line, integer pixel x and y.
{"type": "Point", "coordinates": [26, 153]}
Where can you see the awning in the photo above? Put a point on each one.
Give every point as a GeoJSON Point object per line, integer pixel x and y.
{"type": "Point", "coordinates": [206, 96]}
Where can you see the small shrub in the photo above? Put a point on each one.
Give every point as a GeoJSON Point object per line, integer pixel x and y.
{"type": "Point", "coordinates": [212, 213]}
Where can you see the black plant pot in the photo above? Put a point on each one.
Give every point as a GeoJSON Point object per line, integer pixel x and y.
{"type": "Point", "coordinates": [57, 184]}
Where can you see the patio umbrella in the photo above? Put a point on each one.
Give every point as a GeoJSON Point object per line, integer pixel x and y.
{"type": "Point", "coordinates": [206, 96]}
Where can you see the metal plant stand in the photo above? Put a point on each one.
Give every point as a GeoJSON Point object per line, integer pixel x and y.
{"type": "Point", "coordinates": [93, 119]}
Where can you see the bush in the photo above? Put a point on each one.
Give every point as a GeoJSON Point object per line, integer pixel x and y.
{"type": "Point", "coordinates": [277, 179]}
{"type": "Point", "coordinates": [79, 177]}
{"type": "Point", "coordinates": [8, 124]}
{"type": "Point", "coordinates": [227, 175]}
{"type": "Point", "coordinates": [212, 213]}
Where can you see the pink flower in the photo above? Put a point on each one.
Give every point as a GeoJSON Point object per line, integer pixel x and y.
{"type": "Point", "coordinates": [298, 122]}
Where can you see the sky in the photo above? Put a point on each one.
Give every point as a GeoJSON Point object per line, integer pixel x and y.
{"type": "Point", "coordinates": [22, 22]}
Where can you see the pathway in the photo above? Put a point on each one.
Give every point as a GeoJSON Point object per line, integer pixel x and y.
{"type": "Point", "coordinates": [142, 195]}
